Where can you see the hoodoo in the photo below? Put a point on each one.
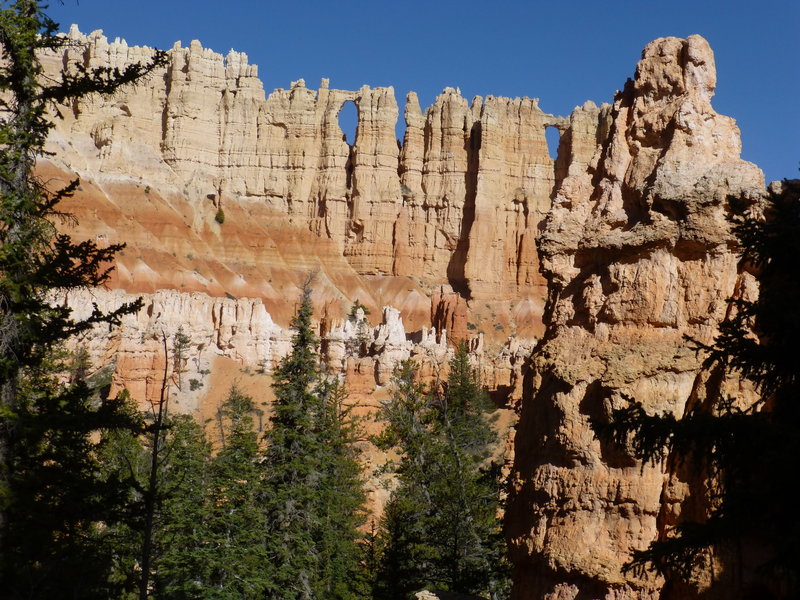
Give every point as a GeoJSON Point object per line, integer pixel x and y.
{"type": "Point", "coordinates": [638, 255]}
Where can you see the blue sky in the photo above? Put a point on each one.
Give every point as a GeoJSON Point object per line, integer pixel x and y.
{"type": "Point", "coordinates": [561, 52]}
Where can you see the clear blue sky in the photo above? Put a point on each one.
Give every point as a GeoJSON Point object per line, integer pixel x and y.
{"type": "Point", "coordinates": [563, 52]}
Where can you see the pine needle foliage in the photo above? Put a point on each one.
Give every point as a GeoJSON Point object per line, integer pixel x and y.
{"type": "Point", "coordinates": [39, 417]}
{"type": "Point", "coordinates": [742, 450]}
{"type": "Point", "coordinates": [292, 473]}
{"type": "Point", "coordinates": [312, 493]}
{"type": "Point", "coordinates": [178, 514]}
{"type": "Point", "coordinates": [441, 528]}
{"type": "Point", "coordinates": [341, 496]}
{"type": "Point", "coordinates": [58, 541]}
{"type": "Point", "coordinates": [235, 563]}
{"type": "Point", "coordinates": [183, 540]}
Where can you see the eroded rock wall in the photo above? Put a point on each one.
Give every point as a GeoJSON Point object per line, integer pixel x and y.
{"type": "Point", "coordinates": [457, 202]}
{"type": "Point", "coordinates": [243, 333]}
{"type": "Point", "coordinates": [638, 255]}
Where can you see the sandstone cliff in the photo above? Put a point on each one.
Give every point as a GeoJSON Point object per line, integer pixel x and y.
{"type": "Point", "coordinates": [457, 202]}
{"type": "Point", "coordinates": [637, 254]}
{"type": "Point", "coordinates": [441, 226]}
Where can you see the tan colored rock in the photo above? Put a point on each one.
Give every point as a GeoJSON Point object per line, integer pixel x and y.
{"type": "Point", "coordinates": [375, 198]}
{"type": "Point", "coordinates": [582, 132]}
{"type": "Point", "coordinates": [240, 330]}
{"type": "Point", "coordinates": [439, 595]}
{"type": "Point", "coordinates": [391, 344]}
{"type": "Point", "coordinates": [513, 186]}
{"type": "Point", "coordinates": [456, 204]}
{"type": "Point", "coordinates": [438, 171]}
{"type": "Point", "coordinates": [637, 254]}
{"type": "Point", "coordinates": [449, 314]}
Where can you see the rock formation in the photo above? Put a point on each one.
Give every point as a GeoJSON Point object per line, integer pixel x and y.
{"type": "Point", "coordinates": [438, 236]}
{"type": "Point", "coordinates": [457, 203]}
{"type": "Point", "coordinates": [240, 330]}
{"type": "Point", "coordinates": [638, 255]}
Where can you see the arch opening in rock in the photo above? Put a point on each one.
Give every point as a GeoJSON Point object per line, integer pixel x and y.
{"type": "Point", "coordinates": [553, 137]}
{"type": "Point", "coordinates": [348, 122]}
{"type": "Point", "coordinates": [400, 129]}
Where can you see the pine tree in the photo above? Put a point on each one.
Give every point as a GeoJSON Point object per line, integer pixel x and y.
{"type": "Point", "coordinates": [198, 531]}
{"type": "Point", "coordinates": [441, 528]}
{"type": "Point", "coordinates": [178, 534]}
{"type": "Point", "coordinates": [59, 542]}
{"type": "Point", "coordinates": [311, 476]}
{"type": "Point", "coordinates": [152, 488]}
{"type": "Point", "coordinates": [143, 454]}
{"type": "Point", "coordinates": [740, 449]}
{"type": "Point", "coordinates": [403, 532]}
{"type": "Point", "coordinates": [182, 538]}
{"type": "Point", "coordinates": [39, 418]}
{"type": "Point", "coordinates": [292, 473]}
{"type": "Point", "coordinates": [466, 489]}
{"type": "Point", "coordinates": [341, 497]}
{"type": "Point", "coordinates": [234, 561]}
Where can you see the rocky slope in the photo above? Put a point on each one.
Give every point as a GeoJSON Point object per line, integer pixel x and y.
{"type": "Point", "coordinates": [466, 229]}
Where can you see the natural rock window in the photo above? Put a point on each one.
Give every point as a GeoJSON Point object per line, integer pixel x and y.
{"type": "Point", "coordinates": [348, 121]}
{"type": "Point", "coordinates": [553, 137]}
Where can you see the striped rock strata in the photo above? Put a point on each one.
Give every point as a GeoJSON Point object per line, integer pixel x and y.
{"type": "Point", "coordinates": [457, 202]}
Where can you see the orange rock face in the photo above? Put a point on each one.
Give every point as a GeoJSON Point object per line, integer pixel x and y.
{"type": "Point", "coordinates": [638, 255]}
{"type": "Point", "coordinates": [387, 224]}
{"type": "Point", "coordinates": [458, 202]}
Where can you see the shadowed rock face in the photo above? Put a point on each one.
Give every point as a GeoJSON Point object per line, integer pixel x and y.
{"type": "Point", "coordinates": [637, 255]}
{"type": "Point", "coordinates": [467, 225]}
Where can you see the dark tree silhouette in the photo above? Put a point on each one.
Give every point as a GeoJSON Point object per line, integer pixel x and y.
{"type": "Point", "coordinates": [741, 451]}
{"type": "Point", "coordinates": [46, 449]}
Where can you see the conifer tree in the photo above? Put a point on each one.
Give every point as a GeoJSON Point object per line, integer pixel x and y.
{"type": "Point", "coordinates": [178, 523]}
{"type": "Point", "coordinates": [234, 562]}
{"type": "Point", "coordinates": [59, 542]}
{"type": "Point", "coordinates": [466, 489]}
{"type": "Point", "coordinates": [403, 533]}
{"type": "Point", "coordinates": [740, 449]}
{"type": "Point", "coordinates": [39, 418]}
{"type": "Point", "coordinates": [183, 542]}
{"type": "Point", "coordinates": [341, 497]}
{"type": "Point", "coordinates": [156, 458]}
{"type": "Point", "coordinates": [441, 528]}
{"type": "Point", "coordinates": [291, 470]}
{"type": "Point", "coordinates": [152, 488]}
{"type": "Point", "coordinates": [311, 476]}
